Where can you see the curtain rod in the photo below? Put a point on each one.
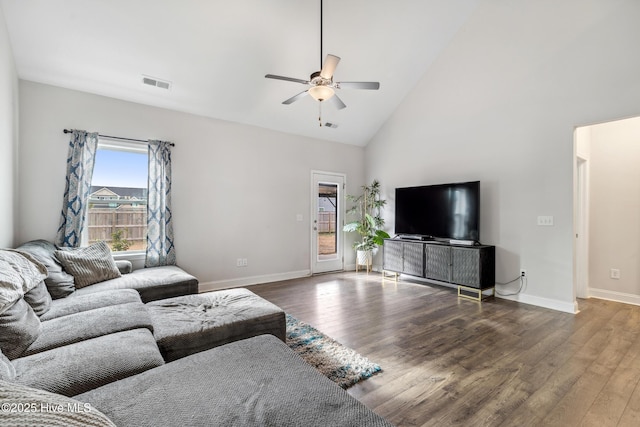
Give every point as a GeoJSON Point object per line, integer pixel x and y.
{"type": "Point", "coordinates": [117, 137]}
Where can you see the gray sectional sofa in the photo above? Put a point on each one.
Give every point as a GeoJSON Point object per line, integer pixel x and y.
{"type": "Point", "coordinates": [142, 349]}
{"type": "Point", "coordinates": [69, 340]}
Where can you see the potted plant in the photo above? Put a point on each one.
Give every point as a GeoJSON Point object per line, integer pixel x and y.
{"type": "Point", "coordinates": [367, 211]}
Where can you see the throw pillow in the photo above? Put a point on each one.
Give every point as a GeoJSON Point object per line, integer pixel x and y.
{"type": "Point", "coordinates": [59, 283]}
{"type": "Point", "coordinates": [89, 265]}
{"type": "Point", "coordinates": [39, 299]}
{"type": "Point", "coordinates": [36, 407]}
{"type": "Point", "coordinates": [19, 273]}
{"type": "Point", "coordinates": [19, 328]}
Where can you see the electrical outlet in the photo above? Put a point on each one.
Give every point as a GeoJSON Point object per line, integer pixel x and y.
{"type": "Point", "coordinates": [239, 262]}
{"type": "Point", "coordinates": [523, 272]}
{"type": "Point", "coordinates": [615, 273]}
{"type": "Point", "coordinates": [245, 262]}
{"type": "Point", "coordinates": [545, 220]}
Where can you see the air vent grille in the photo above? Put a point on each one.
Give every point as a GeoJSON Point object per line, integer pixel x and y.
{"type": "Point", "coordinates": [150, 81]}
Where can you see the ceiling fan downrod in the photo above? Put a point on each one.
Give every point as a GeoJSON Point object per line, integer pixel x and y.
{"type": "Point", "coordinates": [321, 34]}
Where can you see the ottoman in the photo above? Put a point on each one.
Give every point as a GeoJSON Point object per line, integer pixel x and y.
{"type": "Point", "coordinates": [192, 323]}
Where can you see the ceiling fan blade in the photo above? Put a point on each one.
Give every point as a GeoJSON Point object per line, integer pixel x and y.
{"type": "Point", "coordinates": [288, 79]}
{"type": "Point", "coordinates": [337, 102]}
{"type": "Point", "coordinates": [358, 85]}
{"type": "Point", "coordinates": [329, 66]}
{"type": "Point", "coordinates": [295, 97]}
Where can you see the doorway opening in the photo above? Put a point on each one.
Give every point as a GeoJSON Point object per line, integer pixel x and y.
{"type": "Point", "coordinates": [606, 211]}
{"type": "Point", "coordinates": [327, 214]}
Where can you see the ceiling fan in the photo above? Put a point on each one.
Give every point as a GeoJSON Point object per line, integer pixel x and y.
{"type": "Point", "coordinates": [322, 85]}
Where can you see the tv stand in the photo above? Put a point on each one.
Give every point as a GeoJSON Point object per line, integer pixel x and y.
{"type": "Point", "coordinates": [471, 268]}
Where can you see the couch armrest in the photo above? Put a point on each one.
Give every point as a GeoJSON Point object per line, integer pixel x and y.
{"type": "Point", "coordinates": [76, 368]}
{"type": "Point", "coordinates": [152, 283]}
{"type": "Point", "coordinates": [124, 266]}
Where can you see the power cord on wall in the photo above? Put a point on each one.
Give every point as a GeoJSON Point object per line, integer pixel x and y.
{"type": "Point", "coordinates": [523, 282]}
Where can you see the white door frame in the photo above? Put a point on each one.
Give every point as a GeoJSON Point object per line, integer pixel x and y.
{"type": "Point", "coordinates": [340, 213]}
{"type": "Point", "coordinates": [581, 228]}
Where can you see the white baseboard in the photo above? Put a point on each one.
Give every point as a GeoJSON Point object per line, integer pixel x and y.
{"type": "Point", "coordinates": [614, 296]}
{"type": "Point", "coordinates": [523, 298]}
{"type": "Point", "coordinates": [553, 304]}
{"type": "Point", "coordinates": [252, 280]}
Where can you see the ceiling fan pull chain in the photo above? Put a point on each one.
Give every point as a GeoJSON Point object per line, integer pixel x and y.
{"type": "Point", "coordinates": [320, 113]}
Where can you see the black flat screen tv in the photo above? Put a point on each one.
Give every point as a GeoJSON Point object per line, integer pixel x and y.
{"type": "Point", "coordinates": [445, 211]}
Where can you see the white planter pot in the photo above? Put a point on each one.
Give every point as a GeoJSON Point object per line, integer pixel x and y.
{"type": "Point", "coordinates": [363, 258]}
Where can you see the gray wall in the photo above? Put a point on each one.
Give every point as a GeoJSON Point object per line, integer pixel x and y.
{"type": "Point", "coordinates": [8, 138]}
{"type": "Point", "coordinates": [237, 189]}
{"type": "Point", "coordinates": [500, 105]}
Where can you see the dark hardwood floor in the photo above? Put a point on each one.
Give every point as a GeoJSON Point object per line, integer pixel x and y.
{"type": "Point", "coordinates": [450, 361]}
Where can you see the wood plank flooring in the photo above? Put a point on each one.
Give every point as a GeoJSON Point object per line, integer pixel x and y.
{"type": "Point", "coordinates": [450, 361]}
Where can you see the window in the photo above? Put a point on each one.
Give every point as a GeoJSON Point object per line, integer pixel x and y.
{"type": "Point", "coordinates": [117, 211]}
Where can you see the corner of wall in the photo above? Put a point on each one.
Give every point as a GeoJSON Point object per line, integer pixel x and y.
{"type": "Point", "coordinates": [8, 139]}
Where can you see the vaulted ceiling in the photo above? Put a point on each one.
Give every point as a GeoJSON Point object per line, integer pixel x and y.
{"type": "Point", "coordinates": [215, 54]}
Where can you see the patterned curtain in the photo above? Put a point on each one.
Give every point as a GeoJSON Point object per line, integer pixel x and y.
{"type": "Point", "coordinates": [160, 249]}
{"type": "Point", "coordinates": [82, 156]}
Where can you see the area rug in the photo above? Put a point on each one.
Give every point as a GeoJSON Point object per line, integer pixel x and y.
{"type": "Point", "coordinates": [340, 364]}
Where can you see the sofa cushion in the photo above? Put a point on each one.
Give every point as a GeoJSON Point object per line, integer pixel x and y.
{"type": "Point", "coordinates": [89, 265]}
{"type": "Point", "coordinates": [19, 328]}
{"type": "Point", "coordinates": [76, 368]}
{"type": "Point", "coordinates": [78, 302]}
{"type": "Point", "coordinates": [7, 370]}
{"type": "Point", "coordinates": [152, 283]}
{"type": "Point", "coordinates": [89, 324]}
{"type": "Point", "coordinates": [59, 283]}
{"type": "Point", "coordinates": [257, 381]}
{"type": "Point", "coordinates": [63, 411]}
{"type": "Point", "coordinates": [39, 299]}
{"type": "Point", "coordinates": [19, 273]}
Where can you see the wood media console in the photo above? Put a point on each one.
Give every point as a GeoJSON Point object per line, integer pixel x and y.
{"type": "Point", "coordinates": [471, 268]}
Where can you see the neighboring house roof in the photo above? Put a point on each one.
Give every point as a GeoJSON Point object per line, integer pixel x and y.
{"type": "Point", "coordinates": [103, 192]}
{"type": "Point", "coordinates": [122, 192]}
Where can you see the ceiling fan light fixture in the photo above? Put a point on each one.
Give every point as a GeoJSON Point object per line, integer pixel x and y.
{"type": "Point", "coordinates": [321, 92]}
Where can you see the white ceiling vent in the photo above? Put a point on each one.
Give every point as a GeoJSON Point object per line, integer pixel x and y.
{"type": "Point", "coordinates": [151, 81]}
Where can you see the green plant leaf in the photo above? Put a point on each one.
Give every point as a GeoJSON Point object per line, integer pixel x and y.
{"type": "Point", "coordinates": [382, 234]}
{"type": "Point", "coordinates": [369, 221]}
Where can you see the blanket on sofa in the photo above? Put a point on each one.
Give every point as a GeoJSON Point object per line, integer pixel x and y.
{"type": "Point", "coordinates": [19, 273]}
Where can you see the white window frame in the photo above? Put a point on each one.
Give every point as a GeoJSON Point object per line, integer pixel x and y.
{"type": "Point", "coordinates": [130, 147]}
